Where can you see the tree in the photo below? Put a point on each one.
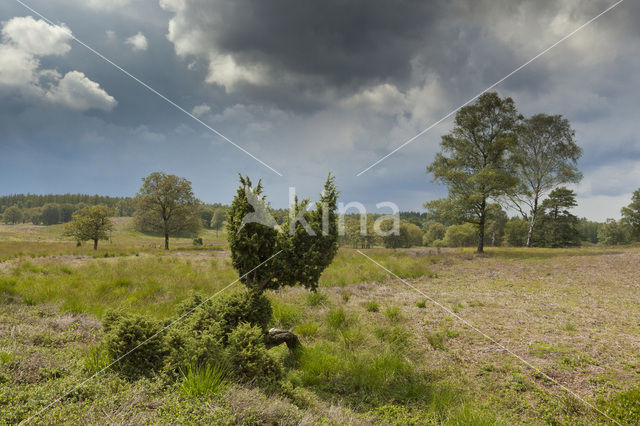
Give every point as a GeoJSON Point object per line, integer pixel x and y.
{"type": "Point", "coordinates": [166, 204]}
{"type": "Point", "coordinates": [496, 222]}
{"type": "Point", "coordinates": [516, 232]}
{"type": "Point", "coordinates": [631, 215]}
{"type": "Point", "coordinates": [12, 215]}
{"type": "Point", "coordinates": [295, 253]}
{"type": "Point", "coordinates": [460, 235]}
{"type": "Point", "coordinates": [433, 231]}
{"type": "Point", "coordinates": [545, 156]}
{"type": "Point", "coordinates": [206, 213]}
{"type": "Point", "coordinates": [50, 214]}
{"type": "Point", "coordinates": [217, 220]}
{"type": "Point", "coordinates": [612, 233]}
{"type": "Point", "coordinates": [307, 242]}
{"type": "Point", "coordinates": [90, 223]}
{"type": "Point", "coordinates": [558, 227]}
{"type": "Point", "coordinates": [474, 162]}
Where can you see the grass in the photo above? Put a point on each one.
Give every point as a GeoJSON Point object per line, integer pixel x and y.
{"type": "Point", "coordinates": [209, 380]}
{"type": "Point", "coordinates": [96, 359]}
{"type": "Point", "coordinates": [372, 351]}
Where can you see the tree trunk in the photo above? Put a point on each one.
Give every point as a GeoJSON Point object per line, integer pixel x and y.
{"type": "Point", "coordinates": [481, 228]}
{"type": "Point", "coordinates": [166, 241]}
{"type": "Point", "coordinates": [95, 244]}
{"type": "Point", "coordinates": [534, 215]}
{"type": "Point", "coordinates": [277, 337]}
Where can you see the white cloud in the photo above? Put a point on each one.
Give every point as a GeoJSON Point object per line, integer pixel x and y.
{"type": "Point", "coordinates": [17, 67]}
{"type": "Point", "coordinates": [37, 37]}
{"type": "Point", "coordinates": [77, 92]}
{"type": "Point", "coordinates": [137, 42]}
{"type": "Point", "coordinates": [200, 110]}
{"type": "Point", "coordinates": [24, 41]}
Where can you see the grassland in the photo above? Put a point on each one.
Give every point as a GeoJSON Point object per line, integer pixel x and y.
{"type": "Point", "coordinates": [375, 350]}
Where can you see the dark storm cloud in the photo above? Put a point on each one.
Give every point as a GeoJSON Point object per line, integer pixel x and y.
{"type": "Point", "coordinates": [312, 86]}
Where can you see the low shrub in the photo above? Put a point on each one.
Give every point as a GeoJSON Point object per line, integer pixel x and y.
{"type": "Point", "coordinates": [226, 312]}
{"type": "Point", "coordinates": [248, 355]}
{"type": "Point", "coordinates": [134, 339]}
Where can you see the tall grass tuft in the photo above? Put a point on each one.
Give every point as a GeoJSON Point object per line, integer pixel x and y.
{"type": "Point", "coordinates": [95, 359]}
{"type": "Point", "coordinates": [198, 381]}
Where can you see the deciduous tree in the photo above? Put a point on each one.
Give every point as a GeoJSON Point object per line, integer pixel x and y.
{"type": "Point", "coordinates": [546, 156]}
{"type": "Point", "coordinates": [474, 162]}
{"type": "Point", "coordinates": [631, 215]}
{"type": "Point", "coordinates": [90, 223]}
{"type": "Point", "coordinates": [166, 204]}
{"type": "Point", "coordinates": [12, 215]}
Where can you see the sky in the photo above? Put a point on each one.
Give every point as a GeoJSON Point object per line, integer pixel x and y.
{"type": "Point", "coordinates": [307, 88]}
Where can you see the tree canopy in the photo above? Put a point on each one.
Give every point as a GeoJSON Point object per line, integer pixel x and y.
{"type": "Point", "coordinates": [474, 162]}
{"type": "Point", "coordinates": [90, 223]}
{"type": "Point", "coordinates": [304, 245]}
{"type": "Point", "coordinates": [166, 204]}
{"type": "Point", "coordinates": [631, 215]}
{"type": "Point", "coordinates": [545, 156]}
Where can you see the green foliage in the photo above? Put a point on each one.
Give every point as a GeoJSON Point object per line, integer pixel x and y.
{"type": "Point", "coordinates": [414, 235]}
{"type": "Point", "coordinates": [227, 311]}
{"type": "Point", "coordinates": [496, 222]}
{"type": "Point", "coordinates": [474, 162]}
{"type": "Point", "coordinates": [248, 355]}
{"type": "Point", "coordinates": [612, 233]}
{"type": "Point", "coordinates": [557, 226]}
{"type": "Point", "coordinates": [166, 204]}
{"type": "Point", "coordinates": [516, 231]}
{"type": "Point", "coordinates": [50, 214]}
{"type": "Point", "coordinates": [217, 219]}
{"type": "Point", "coordinates": [588, 230]}
{"type": "Point", "coordinates": [433, 231]}
{"type": "Point", "coordinates": [208, 380]}
{"type": "Point", "coordinates": [12, 215]}
{"type": "Point", "coordinates": [407, 235]}
{"type": "Point", "coordinates": [546, 156]}
{"type": "Point", "coordinates": [631, 215]}
{"type": "Point", "coordinates": [304, 252]}
{"type": "Point", "coordinates": [188, 348]}
{"type": "Point", "coordinates": [461, 235]}
{"type": "Point", "coordinates": [90, 223]}
{"type": "Point", "coordinates": [134, 338]}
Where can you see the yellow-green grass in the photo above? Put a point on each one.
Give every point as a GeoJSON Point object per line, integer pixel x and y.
{"type": "Point", "coordinates": [571, 312]}
{"type": "Point", "coordinates": [145, 283]}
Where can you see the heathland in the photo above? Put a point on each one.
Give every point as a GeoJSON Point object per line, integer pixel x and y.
{"type": "Point", "coordinates": [376, 348]}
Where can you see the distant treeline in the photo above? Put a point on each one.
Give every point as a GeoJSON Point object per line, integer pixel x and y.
{"type": "Point", "coordinates": [558, 228]}
{"type": "Point", "coordinates": [52, 209]}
